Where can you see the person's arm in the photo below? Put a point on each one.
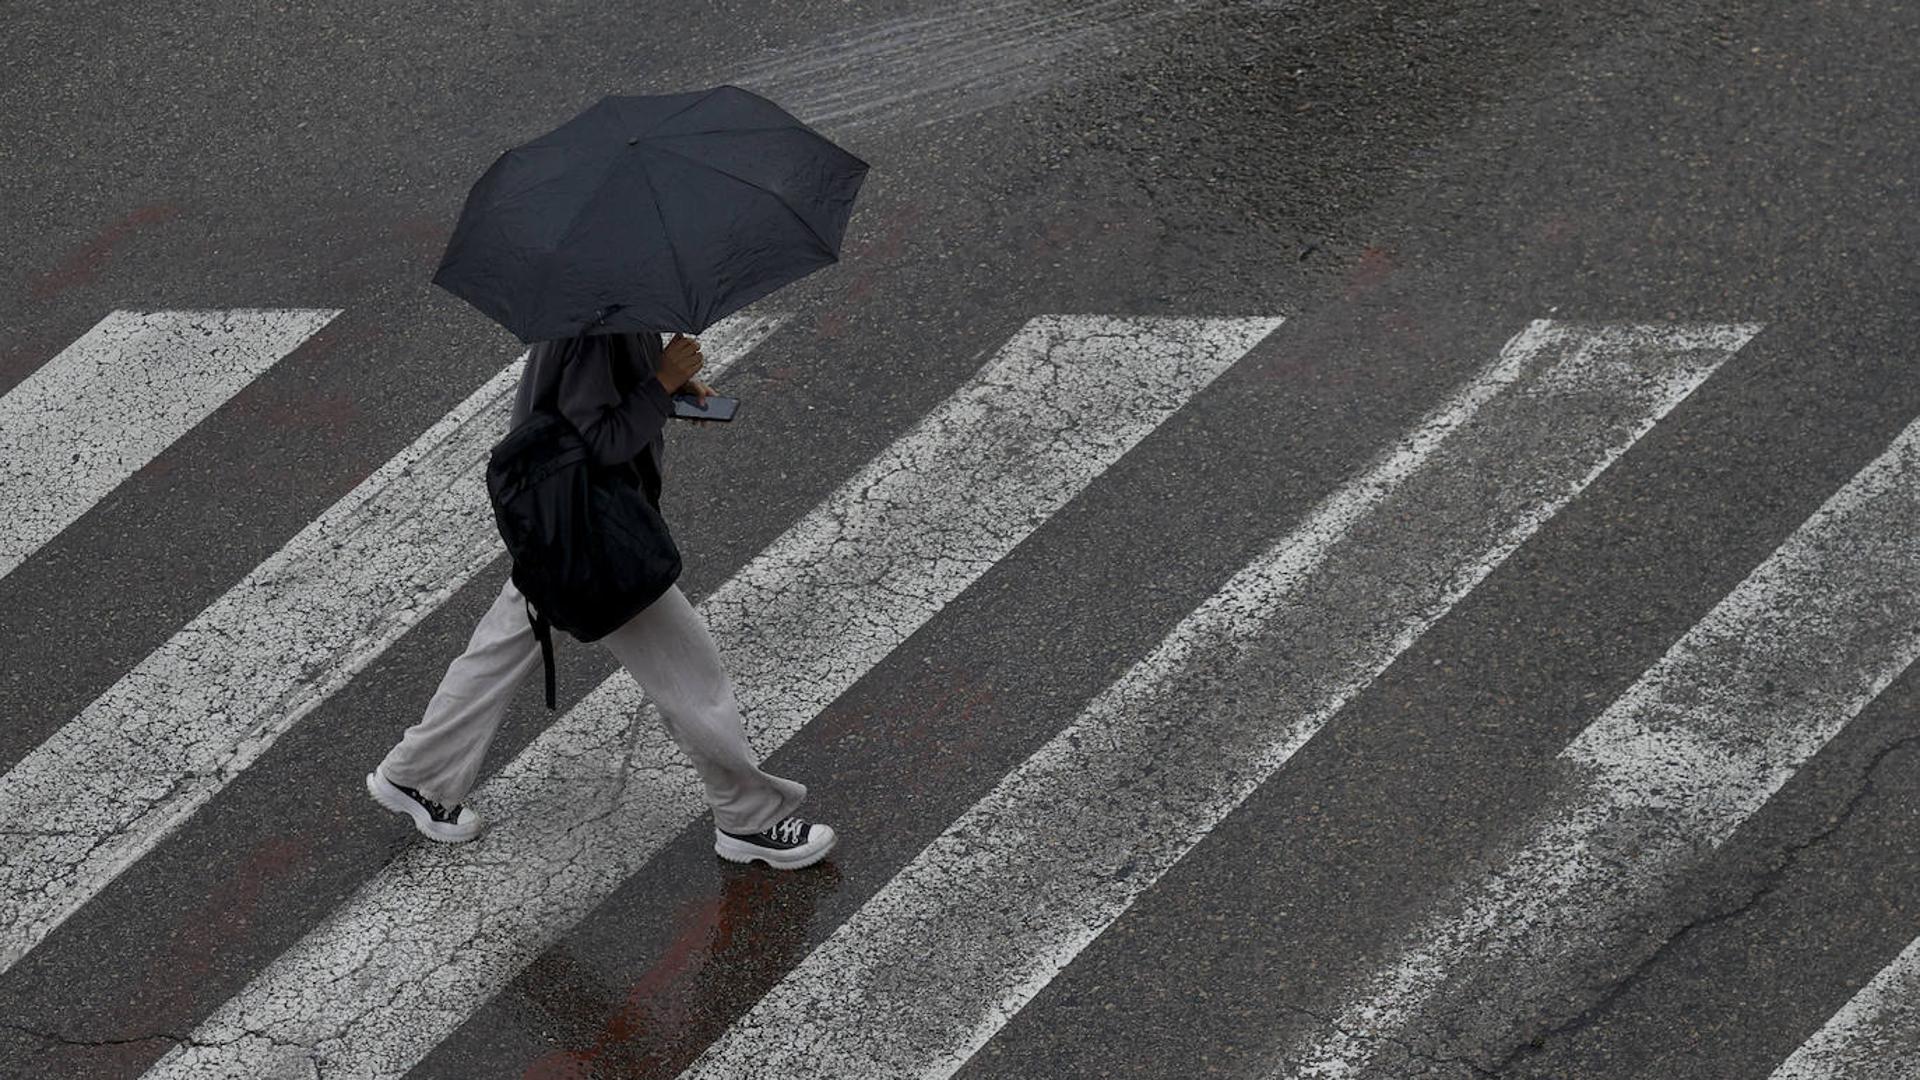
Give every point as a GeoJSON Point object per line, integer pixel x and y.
{"type": "Point", "coordinates": [617, 429]}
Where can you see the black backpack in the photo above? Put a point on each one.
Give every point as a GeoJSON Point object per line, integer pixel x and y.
{"type": "Point", "coordinates": [590, 550]}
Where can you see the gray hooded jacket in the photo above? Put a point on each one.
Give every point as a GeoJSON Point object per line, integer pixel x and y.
{"type": "Point", "coordinates": [605, 385]}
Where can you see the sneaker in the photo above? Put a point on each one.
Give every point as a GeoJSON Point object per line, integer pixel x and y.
{"type": "Point", "coordinates": [436, 822]}
{"type": "Point", "coordinates": [789, 845]}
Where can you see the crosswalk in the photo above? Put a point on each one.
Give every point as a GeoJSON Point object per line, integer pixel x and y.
{"type": "Point", "coordinates": [966, 934]}
{"type": "Point", "coordinates": [799, 625]}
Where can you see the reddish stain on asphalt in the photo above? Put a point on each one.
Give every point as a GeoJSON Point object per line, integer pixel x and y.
{"type": "Point", "coordinates": [23, 356]}
{"type": "Point", "coordinates": [942, 721]}
{"type": "Point", "coordinates": [277, 406]}
{"type": "Point", "coordinates": [830, 324]}
{"type": "Point", "coordinates": [326, 411]}
{"type": "Point", "coordinates": [960, 738]}
{"type": "Point", "coordinates": [426, 234]}
{"type": "Point", "coordinates": [173, 995]}
{"type": "Point", "coordinates": [342, 332]}
{"type": "Point", "coordinates": [424, 241]}
{"type": "Point", "coordinates": [869, 255]}
{"type": "Point", "coordinates": [892, 243]}
{"type": "Point", "coordinates": [1285, 362]}
{"type": "Point", "coordinates": [653, 1031]}
{"type": "Point", "coordinates": [86, 263]}
{"type": "Point", "coordinates": [1060, 236]}
{"type": "Point", "coordinates": [226, 916]}
{"type": "Point", "coordinates": [1556, 230]}
{"type": "Point", "coordinates": [1404, 328]}
{"type": "Point", "coordinates": [1372, 268]}
{"type": "Point", "coordinates": [1056, 237]}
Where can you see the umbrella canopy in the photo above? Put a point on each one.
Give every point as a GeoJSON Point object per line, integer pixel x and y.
{"type": "Point", "coordinates": [658, 213]}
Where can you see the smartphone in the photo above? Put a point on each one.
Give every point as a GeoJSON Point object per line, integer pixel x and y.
{"type": "Point", "coordinates": [687, 407]}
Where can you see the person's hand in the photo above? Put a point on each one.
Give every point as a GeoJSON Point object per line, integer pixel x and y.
{"type": "Point", "coordinates": [695, 386]}
{"type": "Point", "coordinates": [678, 361]}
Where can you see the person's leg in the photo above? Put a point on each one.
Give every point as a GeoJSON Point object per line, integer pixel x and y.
{"type": "Point", "coordinates": [441, 755]}
{"type": "Point", "coordinates": [670, 653]}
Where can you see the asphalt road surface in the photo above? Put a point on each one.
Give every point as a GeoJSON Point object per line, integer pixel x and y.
{"type": "Point", "coordinates": [1301, 539]}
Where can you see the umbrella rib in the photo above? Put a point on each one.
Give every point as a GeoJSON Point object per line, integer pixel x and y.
{"type": "Point", "coordinates": [795, 126]}
{"type": "Point", "coordinates": [784, 205]}
{"type": "Point", "coordinates": [546, 280]}
{"type": "Point", "coordinates": [675, 113]}
{"type": "Point", "coordinates": [686, 298]}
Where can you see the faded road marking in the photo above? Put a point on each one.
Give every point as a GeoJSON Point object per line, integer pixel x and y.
{"type": "Point", "coordinates": [987, 914]}
{"type": "Point", "coordinates": [962, 59]}
{"type": "Point", "coordinates": [1875, 1036]}
{"type": "Point", "coordinates": [1655, 785]}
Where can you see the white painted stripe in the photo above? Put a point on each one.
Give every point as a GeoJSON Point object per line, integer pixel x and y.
{"type": "Point", "coordinates": [983, 918]}
{"type": "Point", "coordinates": [111, 401]}
{"type": "Point", "coordinates": [441, 930]}
{"type": "Point", "coordinates": [139, 760]}
{"type": "Point", "coordinates": [1875, 1036]}
{"type": "Point", "coordinates": [1664, 776]}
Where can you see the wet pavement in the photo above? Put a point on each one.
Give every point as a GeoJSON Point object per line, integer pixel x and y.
{"type": "Point", "coordinates": [1409, 185]}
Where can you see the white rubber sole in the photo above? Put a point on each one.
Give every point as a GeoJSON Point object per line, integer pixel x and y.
{"type": "Point", "coordinates": [821, 841]}
{"type": "Point", "coordinates": [394, 799]}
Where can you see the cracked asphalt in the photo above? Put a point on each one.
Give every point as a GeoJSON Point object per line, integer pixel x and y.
{"type": "Point", "coordinates": [1408, 183]}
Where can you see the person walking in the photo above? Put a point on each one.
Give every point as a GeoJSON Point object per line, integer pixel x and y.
{"type": "Point", "coordinates": [616, 390]}
{"type": "Point", "coordinates": [642, 213]}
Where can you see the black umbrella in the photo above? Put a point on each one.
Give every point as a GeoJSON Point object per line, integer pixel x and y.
{"type": "Point", "coordinates": [661, 213]}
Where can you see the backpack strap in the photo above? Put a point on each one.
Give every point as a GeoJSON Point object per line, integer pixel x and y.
{"type": "Point", "coordinates": [543, 630]}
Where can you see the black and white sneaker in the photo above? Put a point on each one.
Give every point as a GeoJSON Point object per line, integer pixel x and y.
{"type": "Point", "coordinates": [789, 845]}
{"type": "Point", "coordinates": [436, 822]}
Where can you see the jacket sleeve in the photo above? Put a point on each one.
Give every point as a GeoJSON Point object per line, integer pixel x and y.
{"type": "Point", "coordinates": [618, 429]}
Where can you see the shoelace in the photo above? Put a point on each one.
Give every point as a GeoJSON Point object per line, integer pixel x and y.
{"type": "Point", "coordinates": [434, 809]}
{"type": "Point", "coordinates": [789, 831]}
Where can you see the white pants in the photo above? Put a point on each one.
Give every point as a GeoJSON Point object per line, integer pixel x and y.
{"type": "Point", "coordinates": [668, 651]}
